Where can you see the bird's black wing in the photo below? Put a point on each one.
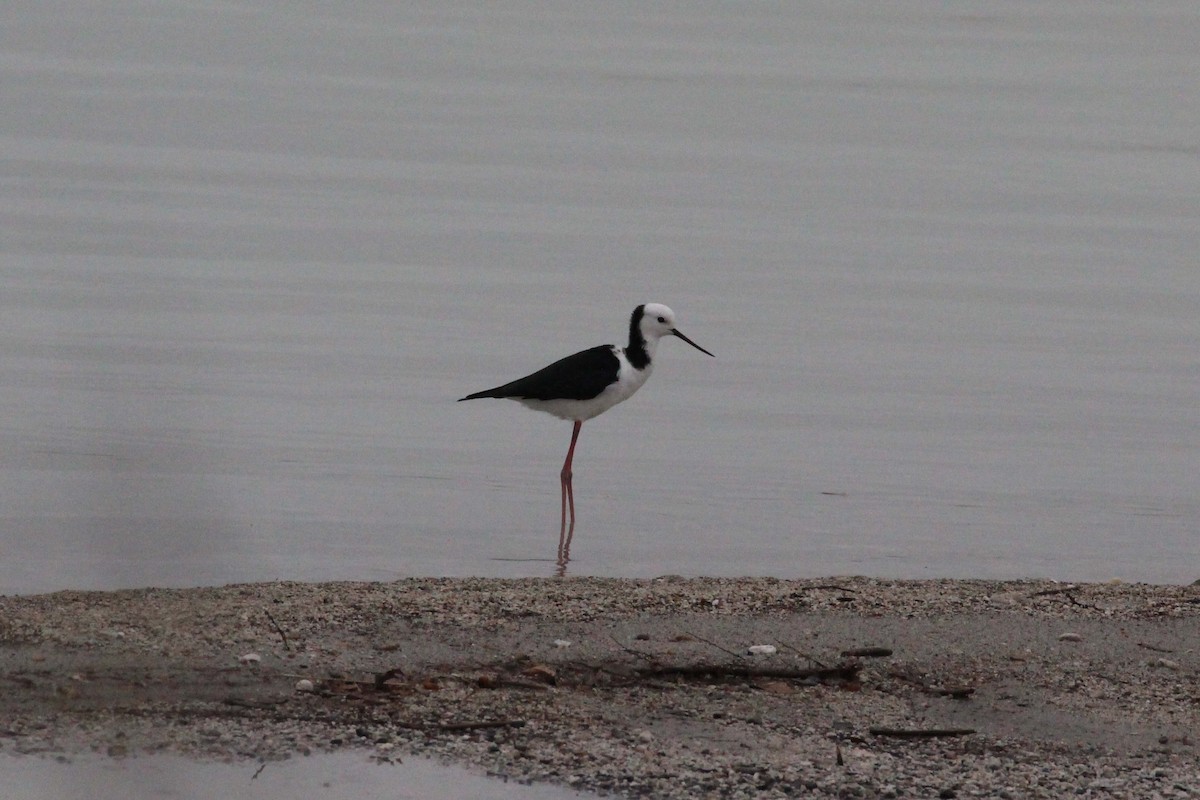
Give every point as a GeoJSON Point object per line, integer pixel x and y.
{"type": "Point", "coordinates": [578, 377]}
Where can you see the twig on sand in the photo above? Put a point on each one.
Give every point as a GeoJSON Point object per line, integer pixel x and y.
{"type": "Point", "coordinates": [1058, 590]}
{"type": "Point", "coordinates": [479, 725]}
{"type": "Point", "coordinates": [803, 654]}
{"type": "Point", "coordinates": [842, 672]}
{"type": "Point", "coordinates": [473, 725]}
{"type": "Point", "coordinates": [957, 692]}
{"type": "Point", "coordinates": [714, 644]}
{"type": "Point", "coordinates": [1065, 591]}
{"type": "Point", "coordinates": [278, 629]}
{"type": "Point", "coordinates": [631, 651]}
{"type": "Point", "coordinates": [867, 652]}
{"type": "Point", "coordinates": [921, 733]}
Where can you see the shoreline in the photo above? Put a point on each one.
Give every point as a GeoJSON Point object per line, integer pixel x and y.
{"type": "Point", "coordinates": [636, 688]}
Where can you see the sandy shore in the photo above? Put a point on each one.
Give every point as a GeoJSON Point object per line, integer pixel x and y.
{"type": "Point", "coordinates": [637, 688]}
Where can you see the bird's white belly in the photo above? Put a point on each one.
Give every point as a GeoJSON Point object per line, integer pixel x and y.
{"type": "Point", "coordinates": [629, 381]}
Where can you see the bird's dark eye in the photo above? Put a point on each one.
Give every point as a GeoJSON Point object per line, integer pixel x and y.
{"type": "Point", "coordinates": [663, 320]}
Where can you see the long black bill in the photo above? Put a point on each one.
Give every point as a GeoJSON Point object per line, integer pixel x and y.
{"type": "Point", "coordinates": [689, 341]}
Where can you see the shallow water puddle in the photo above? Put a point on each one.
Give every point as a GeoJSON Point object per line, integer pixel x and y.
{"type": "Point", "coordinates": [334, 776]}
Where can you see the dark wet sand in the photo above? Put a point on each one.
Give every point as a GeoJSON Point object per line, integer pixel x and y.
{"type": "Point", "coordinates": [638, 688]}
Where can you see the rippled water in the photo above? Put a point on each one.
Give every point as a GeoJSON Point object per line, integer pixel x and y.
{"type": "Point", "coordinates": [251, 255]}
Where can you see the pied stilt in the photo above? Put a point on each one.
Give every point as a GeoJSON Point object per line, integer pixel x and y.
{"type": "Point", "coordinates": [585, 385]}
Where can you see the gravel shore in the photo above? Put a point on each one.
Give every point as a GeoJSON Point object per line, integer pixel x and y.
{"type": "Point", "coordinates": [856, 688]}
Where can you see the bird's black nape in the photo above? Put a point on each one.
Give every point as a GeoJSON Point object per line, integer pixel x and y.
{"type": "Point", "coordinates": [636, 351]}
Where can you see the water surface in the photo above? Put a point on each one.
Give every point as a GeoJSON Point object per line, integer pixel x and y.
{"type": "Point", "coordinates": [334, 776]}
{"type": "Point", "coordinates": [251, 255]}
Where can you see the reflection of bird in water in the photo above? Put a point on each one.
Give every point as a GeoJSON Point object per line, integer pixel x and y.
{"type": "Point", "coordinates": [587, 384]}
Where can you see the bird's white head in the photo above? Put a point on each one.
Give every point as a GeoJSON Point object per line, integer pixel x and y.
{"type": "Point", "coordinates": [657, 321]}
{"type": "Point", "coordinates": [654, 322]}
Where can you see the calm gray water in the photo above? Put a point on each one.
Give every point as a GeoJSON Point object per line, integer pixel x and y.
{"type": "Point", "coordinates": [251, 253]}
{"type": "Point", "coordinates": [330, 776]}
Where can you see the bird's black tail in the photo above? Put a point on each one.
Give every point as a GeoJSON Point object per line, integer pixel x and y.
{"type": "Point", "coordinates": [485, 393]}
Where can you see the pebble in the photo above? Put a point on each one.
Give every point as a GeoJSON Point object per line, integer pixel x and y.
{"type": "Point", "coordinates": [1070, 637]}
{"type": "Point", "coordinates": [250, 658]}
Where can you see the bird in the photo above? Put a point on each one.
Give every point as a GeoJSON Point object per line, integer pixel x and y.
{"type": "Point", "coordinates": [585, 385]}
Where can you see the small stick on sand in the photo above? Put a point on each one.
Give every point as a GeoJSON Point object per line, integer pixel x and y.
{"type": "Point", "coordinates": [803, 654]}
{"type": "Point", "coordinates": [282, 635]}
{"type": "Point", "coordinates": [714, 644]}
{"type": "Point", "coordinates": [921, 733]}
{"type": "Point", "coordinates": [461, 726]}
{"type": "Point", "coordinates": [632, 652]}
{"type": "Point", "coordinates": [843, 672]}
{"type": "Point", "coordinates": [867, 652]}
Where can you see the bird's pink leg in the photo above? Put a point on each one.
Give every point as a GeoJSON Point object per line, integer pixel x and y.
{"type": "Point", "coordinates": [568, 491]}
